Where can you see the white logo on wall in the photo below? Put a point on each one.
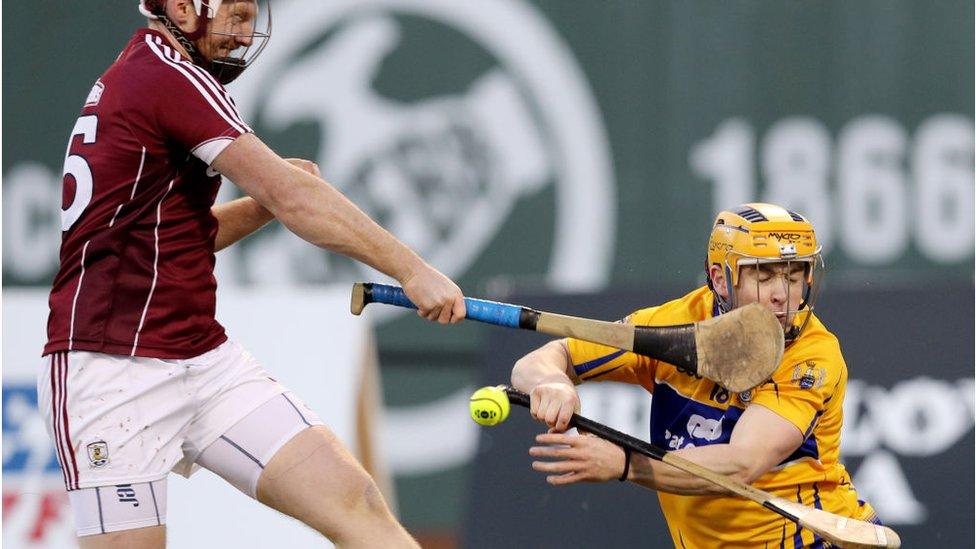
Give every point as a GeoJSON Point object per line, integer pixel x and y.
{"type": "Point", "coordinates": [444, 172]}
{"type": "Point", "coordinates": [876, 189]}
{"type": "Point", "coordinates": [917, 418]}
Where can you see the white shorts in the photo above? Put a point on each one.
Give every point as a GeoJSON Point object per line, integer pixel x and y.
{"type": "Point", "coordinates": [239, 456]}
{"type": "Point", "coordinates": [119, 420]}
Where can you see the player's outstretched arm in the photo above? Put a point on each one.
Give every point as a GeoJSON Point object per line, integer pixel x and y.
{"type": "Point", "coordinates": [760, 440]}
{"type": "Point", "coordinates": [321, 215]}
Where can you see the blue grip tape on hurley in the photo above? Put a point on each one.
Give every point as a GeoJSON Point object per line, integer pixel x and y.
{"type": "Point", "coordinates": [391, 295]}
{"type": "Point", "coordinates": [492, 312]}
{"type": "Point", "coordinates": [489, 312]}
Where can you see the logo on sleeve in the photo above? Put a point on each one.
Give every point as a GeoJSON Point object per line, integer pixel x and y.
{"type": "Point", "coordinates": [95, 94]}
{"type": "Point", "coordinates": [808, 375]}
{"type": "Point", "coordinates": [98, 454]}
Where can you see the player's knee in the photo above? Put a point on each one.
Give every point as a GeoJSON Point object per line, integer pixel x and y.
{"type": "Point", "coordinates": [372, 499]}
{"type": "Point", "coordinates": [315, 480]}
{"type": "Point", "coordinates": [351, 511]}
{"type": "Point", "coordinates": [362, 497]}
{"type": "Point", "coordinates": [359, 506]}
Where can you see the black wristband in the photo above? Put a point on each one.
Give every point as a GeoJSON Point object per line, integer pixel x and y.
{"type": "Point", "coordinates": [623, 477]}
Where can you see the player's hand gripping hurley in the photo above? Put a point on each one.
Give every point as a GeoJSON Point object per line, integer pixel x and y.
{"type": "Point", "coordinates": [738, 350]}
{"type": "Point", "coordinates": [839, 531]}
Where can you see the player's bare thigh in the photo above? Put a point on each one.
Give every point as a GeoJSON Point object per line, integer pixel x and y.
{"type": "Point", "coordinates": [316, 480]}
{"type": "Point", "coordinates": [151, 537]}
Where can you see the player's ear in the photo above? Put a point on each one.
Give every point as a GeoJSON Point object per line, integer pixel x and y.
{"type": "Point", "coordinates": [717, 275]}
{"type": "Point", "coordinates": [182, 13]}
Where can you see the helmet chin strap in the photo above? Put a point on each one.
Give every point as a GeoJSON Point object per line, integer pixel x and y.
{"type": "Point", "coordinates": [726, 304]}
{"type": "Point", "coordinates": [185, 39]}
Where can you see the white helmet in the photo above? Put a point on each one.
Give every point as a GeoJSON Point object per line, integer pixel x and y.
{"type": "Point", "coordinates": [149, 7]}
{"type": "Point", "coordinates": [224, 69]}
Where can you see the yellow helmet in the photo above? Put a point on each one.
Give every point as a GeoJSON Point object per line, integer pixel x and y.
{"type": "Point", "coordinates": [757, 233]}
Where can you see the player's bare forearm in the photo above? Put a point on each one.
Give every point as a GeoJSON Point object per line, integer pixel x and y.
{"type": "Point", "coordinates": [547, 364]}
{"type": "Point", "coordinates": [313, 209]}
{"type": "Point", "coordinates": [658, 475]}
{"type": "Point", "coordinates": [547, 375]}
{"type": "Point", "coordinates": [237, 219]}
{"type": "Point", "coordinates": [759, 441]}
{"type": "Point", "coordinates": [568, 459]}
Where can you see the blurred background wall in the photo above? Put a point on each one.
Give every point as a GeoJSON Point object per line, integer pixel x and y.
{"type": "Point", "coordinates": [560, 150]}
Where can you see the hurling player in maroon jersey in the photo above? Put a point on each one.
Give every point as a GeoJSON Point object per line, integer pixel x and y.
{"type": "Point", "coordinates": [139, 379]}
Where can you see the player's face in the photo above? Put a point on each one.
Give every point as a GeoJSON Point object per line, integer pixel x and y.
{"type": "Point", "coordinates": [778, 286]}
{"type": "Point", "coordinates": [231, 28]}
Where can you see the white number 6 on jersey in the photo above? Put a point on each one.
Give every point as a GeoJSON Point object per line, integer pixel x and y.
{"type": "Point", "coordinates": [76, 166]}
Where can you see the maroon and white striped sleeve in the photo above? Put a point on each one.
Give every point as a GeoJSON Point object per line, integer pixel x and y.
{"type": "Point", "coordinates": [191, 107]}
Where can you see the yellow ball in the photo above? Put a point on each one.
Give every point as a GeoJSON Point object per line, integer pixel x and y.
{"type": "Point", "coordinates": [489, 406]}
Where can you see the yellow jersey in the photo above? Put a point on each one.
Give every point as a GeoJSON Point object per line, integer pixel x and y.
{"type": "Point", "coordinates": [807, 389]}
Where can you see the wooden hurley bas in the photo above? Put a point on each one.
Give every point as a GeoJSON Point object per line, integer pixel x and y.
{"type": "Point", "coordinates": [738, 350]}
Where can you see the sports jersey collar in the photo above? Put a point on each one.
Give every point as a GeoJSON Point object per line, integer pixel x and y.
{"type": "Point", "coordinates": [140, 36]}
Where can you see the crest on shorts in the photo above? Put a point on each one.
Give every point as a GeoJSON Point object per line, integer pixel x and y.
{"type": "Point", "coordinates": [98, 454]}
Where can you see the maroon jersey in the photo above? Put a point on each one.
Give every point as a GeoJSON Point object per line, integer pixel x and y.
{"type": "Point", "coordinates": [137, 248]}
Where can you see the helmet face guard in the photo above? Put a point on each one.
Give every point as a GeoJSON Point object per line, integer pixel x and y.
{"type": "Point", "coordinates": [753, 235]}
{"type": "Point", "coordinates": [246, 22]}
{"type": "Point", "coordinates": [251, 35]}
{"type": "Point", "coordinates": [797, 312]}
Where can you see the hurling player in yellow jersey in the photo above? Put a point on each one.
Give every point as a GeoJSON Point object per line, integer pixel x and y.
{"type": "Point", "coordinates": [783, 436]}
